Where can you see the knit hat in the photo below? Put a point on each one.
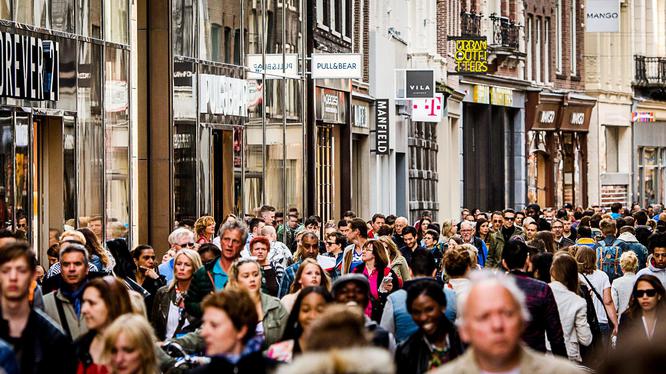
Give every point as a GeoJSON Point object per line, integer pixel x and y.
{"type": "Point", "coordinates": [359, 279]}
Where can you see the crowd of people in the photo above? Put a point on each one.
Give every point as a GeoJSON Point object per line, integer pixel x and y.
{"type": "Point", "coordinates": [512, 291]}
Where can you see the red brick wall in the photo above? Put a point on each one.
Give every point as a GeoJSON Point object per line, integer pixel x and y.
{"type": "Point", "coordinates": [361, 32]}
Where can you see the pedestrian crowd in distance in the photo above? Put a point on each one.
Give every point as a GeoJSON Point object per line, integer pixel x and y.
{"type": "Point", "coordinates": [514, 291]}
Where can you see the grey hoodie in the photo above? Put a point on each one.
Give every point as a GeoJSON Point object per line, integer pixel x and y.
{"type": "Point", "coordinates": [652, 270]}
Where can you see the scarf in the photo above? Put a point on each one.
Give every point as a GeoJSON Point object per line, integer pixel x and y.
{"type": "Point", "coordinates": [74, 297]}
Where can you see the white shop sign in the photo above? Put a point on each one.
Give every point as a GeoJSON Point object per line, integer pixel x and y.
{"type": "Point", "coordinates": [602, 16]}
{"type": "Point", "coordinates": [274, 66]}
{"type": "Point", "coordinates": [428, 110]}
{"type": "Point", "coordinates": [219, 94]}
{"type": "Point", "coordinates": [336, 66]}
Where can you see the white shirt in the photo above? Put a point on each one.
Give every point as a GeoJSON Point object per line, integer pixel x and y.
{"type": "Point", "coordinates": [600, 282]}
{"type": "Point", "coordinates": [621, 291]}
{"type": "Point", "coordinates": [573, 315]}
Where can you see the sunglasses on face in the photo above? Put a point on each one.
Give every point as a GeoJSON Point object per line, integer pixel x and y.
{"type": "Point", "coordinates": [509, 218]}
{"type": "Point", "coordinates": [189, 245]}
{"type": "Point", "coordinates": [642, 293]}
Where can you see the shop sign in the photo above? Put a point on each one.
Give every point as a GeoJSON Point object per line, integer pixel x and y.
{"type": "Point", "coordinates": [501, 96]}
{"type": "Point", "coordinates": [29, 67]}
{"type": "Point", "coordinates": [576, 118]}
{"type": "Point", "coordinates": [481, 94]}
{"type": "Point", "coordinates": [336, 66]}
{"type": "Point", "coordinates": [547, 117]}
{"type": "Point", "coordinates": [331, 106]}
{"type": "Point", "coordinates": [643, 117]}
{"type": "Point", "coordinates": [470, 55]}
{"type": "Point", "coordinates": [428, 110]}
{"type": "Point", "coordinates": [182, 74]}
{"type": "Point", "coordinates": [419, 84]}
{"type": "Point", "coordinates": [382, 126]}
{"type": "Point", "coordinates": [222, 95]}
{"type": "Point", "coordinates": [275, 67]}
{"type": "Point", "coordinates": [360, 113]}
{"type": "Point", "coordinates": [602, 16]}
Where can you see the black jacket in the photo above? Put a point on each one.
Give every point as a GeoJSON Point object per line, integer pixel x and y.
{"type": "Point", "coordinates": [82, 348]}
{"type": "Point", "coordinates": [44, 348]}
{"type": "Point", "coordinates": [413, 355]}
{"type": "Point", "coordinates": [254, 363]}
{"type": "Point", "coordinates": [378, 303]}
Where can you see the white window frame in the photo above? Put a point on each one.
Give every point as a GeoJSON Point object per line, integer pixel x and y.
{"type": "Point", "coordinates": [546, 50]}
{"type": "Point", "coordinates": [537, 50]}
{"type": "Point", "coordinates": [320, 12]}
{"type": "Point", "coordinates": [528, 72]}
{"type": "Point", "coordinates": [558, 37]}
{"type": "Point", "coordinates": [574, 70]}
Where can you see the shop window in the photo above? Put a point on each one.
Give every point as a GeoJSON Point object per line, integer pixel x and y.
{"type": "Point", "coordinates": [184, 165]}
{"type": "Point", "coordinates": [115, 21]}
{"type": "Point", "coordinates": [116, 109]}
{"type": "Point", "coordinates": [69, 171]}
{"type": "Point", "coordinates": [89, 18]}
{"type": "Point", "coordinates": [6, 9]}
{"type": "Point", "coordinates": [90, 133]}
{"type": "Point", "coordinates": [612, 141]}
{"type": "Point", "coordinates": [6, 159]}
{"type": "Point", "coordinates": [33, 12]}
{"type": "Point", "coordinates": [183, 27]}
{"type": "Point", "coordinates": [652, 163]}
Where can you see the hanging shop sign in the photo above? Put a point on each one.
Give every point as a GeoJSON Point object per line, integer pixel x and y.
{"type": "Point", "coordinates": [275, 67]}
{"type": "Point", "coordinates": [575, 118]}
{"type": "Point", "coordinates": [501, 96]}
{"type": "Point", "coordinates": [470, 55]}
{"type": "Point", "coordinates": [331, 106]}
{"type": "Point", "coordinates": [382, 126]}
{"type": "Point", "coordinates": [428, 110]}
{"type": "Point", "coordinates": [602, 16]}
{"type": "Point", "coordinates": [222, 95]}
{"type": "Point", "coordinates": [643, 117]}
{"type": "Point", "coordinates": [29, 67]}
{"type": "Point", "coordinates": [413, 84]}
{"type": "Point", "coordinates": [336, 66]}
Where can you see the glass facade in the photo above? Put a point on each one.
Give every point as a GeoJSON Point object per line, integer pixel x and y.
{"type": "Point", "coordinates": [240, 160]}
{"type": "Point", "coordinates": [423, 170]}
{"type": "Point", "coordinates": [66, 161]}
{"type": "Point", "coordinates": [651, 175]}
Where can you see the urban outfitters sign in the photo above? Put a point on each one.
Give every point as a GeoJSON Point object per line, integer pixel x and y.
{"type": "Point", "coordinates": [382, 128]}
{"type": "Point", "coordinates": [471, 55]}
{"type": "Point", "coordinates": [29, 67]}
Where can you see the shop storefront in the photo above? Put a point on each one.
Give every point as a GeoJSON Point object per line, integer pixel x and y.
{"type": "Point", "coordinates": [65, 118]}
{"type": "Point", "coordinates": [360, 154]}
{"type": "Point", "coordinates": [236, 111]}
{"type": "Point", "coordinates": [557, 144]}
{"type": "Point", "coordinates": [493, 161]}
{"type": "Point", "coordinates": [649, 148]}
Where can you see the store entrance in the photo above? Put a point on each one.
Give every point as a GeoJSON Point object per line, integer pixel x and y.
{"type": "Point", "coordinates": [222, 165]}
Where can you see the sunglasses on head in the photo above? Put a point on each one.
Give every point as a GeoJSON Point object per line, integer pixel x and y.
{"type": "Point", "coordinates": [641, 293]}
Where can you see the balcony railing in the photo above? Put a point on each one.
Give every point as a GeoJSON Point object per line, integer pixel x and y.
{"type": "Point", "coordinates": [471, 24]}
{"type": "Point", "coordinates": [650, 71]}
{"type": "Point", "coordinates": [505, 32]}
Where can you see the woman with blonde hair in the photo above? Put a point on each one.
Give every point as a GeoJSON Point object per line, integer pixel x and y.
{"type": "Point", "coordinates": [309, 274]}
{"type": "Point", "coordinates": [168, 315]}
{"type": "Point", "coordinates": [397, 261]}
{"type": "Point", "coordinates": [448, 230]}
{"type": "Point", "coordinates": [204, 228]}
{"type": "Point", "coordinates": [129, 346]}
{"type": "Point", "coordinates": [245, 274]}
{"type": "Point", "coordinates": [622, 286]}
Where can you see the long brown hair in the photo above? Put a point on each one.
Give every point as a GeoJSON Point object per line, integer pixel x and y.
{"type": "Point", "coordinates": [296, 285]}
{"type": "Point", "coordinates": [114, 294]}
{"type": "Point", "coordinates": [93, 246]}
{"type": "Point", "coordinates": [379, 251]}
{"type": "Point", "coordinates": [565, 270]}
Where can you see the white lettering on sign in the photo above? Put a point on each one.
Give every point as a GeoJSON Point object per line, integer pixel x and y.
{"type": "Point", "coordinates": [336, 65]}
{"type": "Point", "coordinates": [547, 117]}
{"type": "Point", "coordinates": [382, 130]}
{"type": "Point", "coordinates": [222, 95]}
{"type": "Point", "coordinates": [577, 118]}
{"type": "Point", "coordinates": [330, 103]}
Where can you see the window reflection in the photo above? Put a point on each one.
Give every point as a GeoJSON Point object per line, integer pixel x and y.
{"type": "Point", "coordinates": [90, 18]}
{"type": "Point", "coordinates": [116, 107]}
{"type": "Point", "coordinates": [67, 92]}
{"type": "Point", "coordinates": [63, 16]}
{"type": "Point", "coordinates": [5, 9]}
{"type": "Point", "coordinates": [219, 22]}
{"type": "Point", "coordinates": [184, 178]}
{"type": "Point", "coordinates": [33, 12]}
{"type": "Point", "coordinates": [69, 168]}
{"type": "Point", "coordinates": [115, 21]}
{"type": "Point", "coordinates": [183, 27]}
{"type": "Point", "coordinates": [7, 162]}
{"type": "Point", "coordinates": [91, 133]}
{"type": "Point", "coordinates": [22, 167]}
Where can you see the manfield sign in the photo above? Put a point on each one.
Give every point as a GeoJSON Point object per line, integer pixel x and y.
{"type": "Point", "coordinates": [382, 126]}
{"type": "Point", "coordinates": [29, 67]}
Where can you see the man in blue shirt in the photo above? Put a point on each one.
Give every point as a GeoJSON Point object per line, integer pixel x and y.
{"type": "Point", "coordinates": [180, 238]}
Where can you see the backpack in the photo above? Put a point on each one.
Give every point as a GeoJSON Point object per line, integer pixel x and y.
{"type": "Point", "coordinates": [608, 259]}
{"type": "Point", "coordinates": [591, 353]}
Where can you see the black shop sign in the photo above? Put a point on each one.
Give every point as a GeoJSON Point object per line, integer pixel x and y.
{"type": "Point", "coordinates": [29, 67]}
{"type": "Point", "coordinates": [382, 126]}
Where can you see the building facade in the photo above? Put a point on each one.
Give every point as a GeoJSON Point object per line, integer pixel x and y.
{"type": "Point", "coordinates": [65, 117]}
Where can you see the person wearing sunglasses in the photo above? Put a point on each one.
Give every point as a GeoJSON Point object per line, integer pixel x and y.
{"type": "Point", "coordinates": [645, 316]}
{"type": "Point", "coordinates": [179, 239]}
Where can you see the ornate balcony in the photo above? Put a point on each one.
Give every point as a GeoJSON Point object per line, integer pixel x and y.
{"type": "Point", "coordinates": [470, 24]}
{"type": "Point", "coordinates": [505, 33]}
{"type": "Point", "coordinates": [650, 71]}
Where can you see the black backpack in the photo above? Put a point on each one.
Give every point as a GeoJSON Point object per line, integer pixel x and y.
{"type": "Point", "coordinates": [591, 354]}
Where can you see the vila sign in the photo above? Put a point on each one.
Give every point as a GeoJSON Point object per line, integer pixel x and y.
{"type": "Point", "coordinates": [275, 67]}
{"type": "Point", "coordinates": [222, 95]}
{"type": "Point", "coordinates": [428, 110]}
{"type": "Point", "coordinates": [602, 16]}
{"type": "Point", "coordinates": [29, 67]}
{"type": "Point", "coordinates": [336, 66]}
{"type": "Point", "coordinates": [382, 128]}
